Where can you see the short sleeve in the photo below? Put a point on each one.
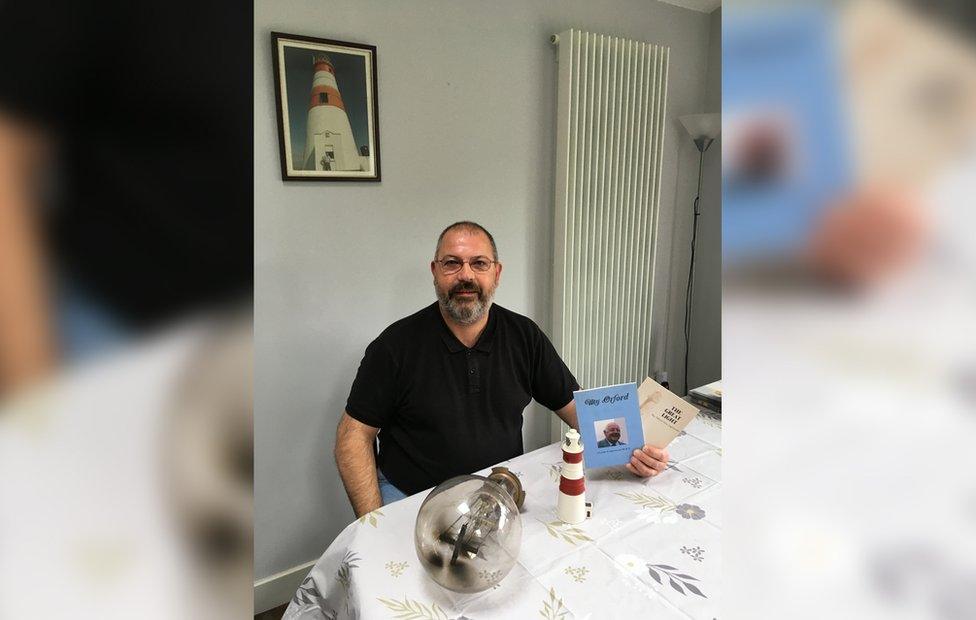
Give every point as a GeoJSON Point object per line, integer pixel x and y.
{"type": "Point", "coordinates": [552, 382]}
{"type": "Point", "coordinates": [373, 394]}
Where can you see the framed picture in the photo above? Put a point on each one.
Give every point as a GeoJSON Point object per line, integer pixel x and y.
{"type": "Point", "coordinates": [327, 114]}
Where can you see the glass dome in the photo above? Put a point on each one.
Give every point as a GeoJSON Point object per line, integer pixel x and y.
{"type": "Point", "coordinates": [469, 531]}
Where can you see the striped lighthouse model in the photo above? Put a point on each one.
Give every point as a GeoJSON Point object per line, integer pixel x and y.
{"type": "Point", "coordinates": [571, 506]}
{"type": "Point", "coordinates": [329, 141]}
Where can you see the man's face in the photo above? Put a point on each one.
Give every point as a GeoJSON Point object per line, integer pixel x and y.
{"type": "Point", "coordinates": [612, 432]}
{"type": "Point", "coordinates": [465, 295]}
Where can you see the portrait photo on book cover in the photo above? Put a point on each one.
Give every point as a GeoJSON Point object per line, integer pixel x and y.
{"type": "Point", "coordinates": [612, 431]}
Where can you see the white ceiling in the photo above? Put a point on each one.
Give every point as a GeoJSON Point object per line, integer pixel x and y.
{"type": "Point", "coordinates": [703, 6]}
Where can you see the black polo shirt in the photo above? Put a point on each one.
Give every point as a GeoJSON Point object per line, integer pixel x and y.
{"type": "Point", "coordinates": [444, 409]}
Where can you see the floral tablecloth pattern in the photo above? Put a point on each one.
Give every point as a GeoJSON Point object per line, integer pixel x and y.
{"type": "Point", "coordinates": [651, 549]}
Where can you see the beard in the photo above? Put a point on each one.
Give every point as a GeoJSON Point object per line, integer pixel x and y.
{"type": "Point", "coordinates": [465, 311]}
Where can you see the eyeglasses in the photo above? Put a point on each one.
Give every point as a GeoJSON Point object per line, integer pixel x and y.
{"type": "Point", "coordinates": [451, 264]}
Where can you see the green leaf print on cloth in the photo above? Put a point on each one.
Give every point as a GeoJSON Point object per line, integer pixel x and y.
{"type": "Point", "coordinates": [570, 534]}
{"type": "Point", "coordinates": [371, 517]}
{"type": "Point", "coordinates": [553, 608]}
{"type": "Point", "coordinates": [648, 501]}
{"type": "Point", "coordinates": [408, 609]}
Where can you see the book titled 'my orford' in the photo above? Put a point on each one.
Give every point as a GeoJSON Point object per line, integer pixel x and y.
{"type": "Point", "coordinates": [610, 424]}
{"type": "Point", "coordinates": [617, 419]}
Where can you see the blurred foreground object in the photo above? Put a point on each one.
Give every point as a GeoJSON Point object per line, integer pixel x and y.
{"type": "Point", "coordinates": [127, 485]}
{"type": "Point", "coordinates": [850, 440]}
{"type": "Point", "coordinates": [869, 237]}
{"type": "Point", "coordinates": [26, 340]}
{"type": "Point", "coordinates": [784, 150]}
{"type": "Point", "coordinates": [125, 229]}
{"type": "Point", "coordinates": [910, 91]}
{"type": "Point", "coordinates": [208, 464]}
{"type": "Point", "coordinates": [125, 173]}
{"type": "Point", "coordinates": [860, 106]}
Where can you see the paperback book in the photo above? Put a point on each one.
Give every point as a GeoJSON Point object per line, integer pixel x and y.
{"type": "Point", "coordinates": [664, 413]}
{"type": "Point", "coordinates": [609, 423]}
{"type": "Point", "coordinates": [615, 420]}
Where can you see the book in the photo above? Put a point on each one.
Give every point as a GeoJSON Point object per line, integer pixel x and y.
{"type": "Point", "coordinates": [663, 413]}
{"type": "Point", "coordinates": [708, 396]}
{"type": "Point", "coordinates": [705, 405]}
{"type": "Point", "coordinates": [709, 391]}
{"type": "Point", "coordinates": [785, 154]}
{"type": "Point", "coordinates": [610, 424]}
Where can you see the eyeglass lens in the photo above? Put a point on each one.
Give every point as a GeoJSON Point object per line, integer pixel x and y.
{"type": "Point", "coordinates": [478, 263]}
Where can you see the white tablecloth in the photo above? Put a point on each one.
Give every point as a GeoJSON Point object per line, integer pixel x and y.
{"type": "Point", "coordinates": [650, 550]}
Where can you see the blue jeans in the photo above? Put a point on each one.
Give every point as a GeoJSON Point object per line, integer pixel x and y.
{"type": "Point", "coordinates": [388, 492]}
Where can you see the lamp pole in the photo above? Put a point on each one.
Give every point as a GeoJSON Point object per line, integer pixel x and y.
{"type": "Point", "coordinates": [702, 143]}
{"type": "Point", "coordinates": [703, 129]}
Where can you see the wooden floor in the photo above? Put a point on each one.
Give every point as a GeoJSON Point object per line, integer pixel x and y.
{"type": "Point", "coordinates": [272, 614]}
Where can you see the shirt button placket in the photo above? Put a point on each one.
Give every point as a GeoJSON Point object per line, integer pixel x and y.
{"type": "Point", "coordinates": [473, 376]}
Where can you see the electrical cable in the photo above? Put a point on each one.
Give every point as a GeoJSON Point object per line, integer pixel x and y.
{"type": "Point", "coordinates": [691, 266]}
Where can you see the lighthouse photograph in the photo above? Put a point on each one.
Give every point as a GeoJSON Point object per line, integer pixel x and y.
{"type": "Point", "coordinates": [327, 118]}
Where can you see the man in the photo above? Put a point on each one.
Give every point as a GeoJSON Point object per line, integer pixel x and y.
{"type": "Point", "coordinates": [448, 384]}
{"type": "Point", "coordinates": [611, 434]}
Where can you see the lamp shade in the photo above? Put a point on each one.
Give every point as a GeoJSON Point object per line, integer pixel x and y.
{"type": "Point", "coordinates": [702, 125]}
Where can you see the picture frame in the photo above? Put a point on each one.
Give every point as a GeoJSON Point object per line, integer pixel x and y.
{"type": "Point", "coordinates": [327, 106]}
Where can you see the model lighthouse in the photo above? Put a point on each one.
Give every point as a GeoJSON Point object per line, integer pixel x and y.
{"type": "Point", "coordinates": [571, 506]}
{"type": "Point", "coordinates": [329, 141]}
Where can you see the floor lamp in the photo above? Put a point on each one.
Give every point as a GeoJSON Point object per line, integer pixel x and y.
{"type": "Point", "coordinates": [703, 129]}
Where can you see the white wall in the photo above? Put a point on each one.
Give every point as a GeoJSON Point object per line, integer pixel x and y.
{"type": "Point", "coordinates": [466, 114]}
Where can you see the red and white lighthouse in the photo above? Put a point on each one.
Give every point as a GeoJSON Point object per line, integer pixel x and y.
{"type": "Point", "coordinates": [571, 505]}
{"type": "Point", "coordinates": [329, 141]}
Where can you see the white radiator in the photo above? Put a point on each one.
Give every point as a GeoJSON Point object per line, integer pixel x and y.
{"type": "Point", "coordinates": [611, 105]}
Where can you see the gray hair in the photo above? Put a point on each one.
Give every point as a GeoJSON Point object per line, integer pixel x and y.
{"type": "Point", "coordinates": [469, 227]}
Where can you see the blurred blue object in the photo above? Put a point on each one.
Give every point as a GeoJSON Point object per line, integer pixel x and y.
{"type": "Point", "coordinates": [86, 327]}
{"type": "Point", "coordinates": [784, 145]}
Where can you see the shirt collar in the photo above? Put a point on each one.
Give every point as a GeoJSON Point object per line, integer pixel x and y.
{"type": "Point", "coordinates": [484, 341]}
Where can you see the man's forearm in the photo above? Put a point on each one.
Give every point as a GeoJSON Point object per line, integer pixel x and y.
{"type": "Point", "coordinates": [357, 467]}
{"type": "Point", "coordinates": [568, 415]}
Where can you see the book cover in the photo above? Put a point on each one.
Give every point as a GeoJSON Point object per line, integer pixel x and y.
{"type": "Point", "coordinates": [610, 424]}
{"type": "Point", "coordinates": [707, 396]}
{"type": "Point", "coordinates": [706, 405]}
{"type": "Point", "coordinates": [785, 153]}
{"type": "Point", "coordinates": [709, 391]}
{"type": "Point", "coordinates": [663, 413]}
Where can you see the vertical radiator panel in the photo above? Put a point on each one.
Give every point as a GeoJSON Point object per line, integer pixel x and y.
{"type": "Point", "coordinates": [609, 141]}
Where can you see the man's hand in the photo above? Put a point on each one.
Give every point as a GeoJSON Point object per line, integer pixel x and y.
{"type": "Point", "coordinates": [869, 236]}
{"type": "Point", "coordinates": [648, 461]}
